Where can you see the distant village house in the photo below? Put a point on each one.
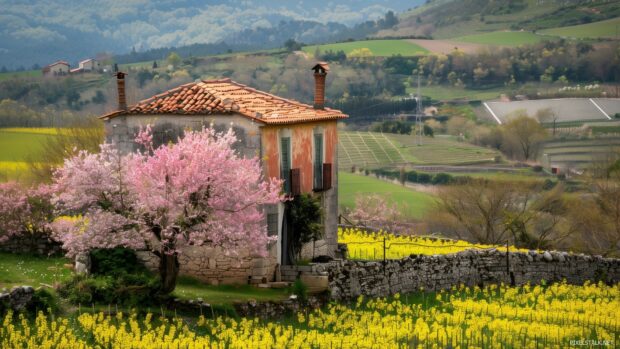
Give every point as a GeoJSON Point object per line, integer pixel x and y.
{"type": "Point", "coordinates": [63, 68]}
{"type": "Point", "coordinates": [56, 68]}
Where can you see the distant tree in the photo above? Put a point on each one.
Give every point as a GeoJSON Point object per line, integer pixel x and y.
{"type": "Point", "coordinates": [154, 65]}
{"type": "Point", "coordinates": [547, 115]}
{"type": "Point", "coordinates": [496, 212]}
{"type": "Point", "coordinates": [115, 67]}
{"type": "Point", "coordinates": [428, 131]}
{"type": "Point", "coordinates": [24, 210]}
{"type": "Point", "coordinates": [173, 59]}
{"type": "Point", "coordinates": [378, 212]}
{"type": "Point", "coordinates": [523, 135]}
{"type": "Point", "coordinates": [3, 69]}
{"type": "Point", "coordinates": [292, 45]}
{"type": "Point", "coordinates": [389, 21]}
{"type": "Point", "coordinates": [361, 53]}
{"type": "Point", "coordinates": [99, 97]}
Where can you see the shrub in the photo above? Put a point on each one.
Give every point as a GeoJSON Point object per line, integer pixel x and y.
{"type": "Point", "coordinates": [424, 178]}
{"type": "Point", "coordinates": [300, 290]}
{"type": "Point", "coordinates": [115, 261]}
{"type": "Point", "coordinates": [442, 178]}
{"type": "Point", "coordinates": [412, 176]}
{"type": "Point", "coordinates": [127, 289]}
{"type": "Point", "coordinates": [43, 300]}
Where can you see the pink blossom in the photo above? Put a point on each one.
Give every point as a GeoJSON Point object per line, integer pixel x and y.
{"type": "Point", "coordinates": [196, 191]}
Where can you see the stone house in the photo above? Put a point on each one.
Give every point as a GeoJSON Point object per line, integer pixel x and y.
{"type": "Point", "coordinates": [89, 65]}
{"type": "Point", "coordinates": [296, 142]}
{"type": "Point", "coordinates": [56, 68]}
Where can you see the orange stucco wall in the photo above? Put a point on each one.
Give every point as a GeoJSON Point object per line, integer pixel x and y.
{"type": "Point", "coordinates": [301, 147]}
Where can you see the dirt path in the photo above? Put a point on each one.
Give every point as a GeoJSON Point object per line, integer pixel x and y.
{"type": "Point", "coordinates": [447, 46]}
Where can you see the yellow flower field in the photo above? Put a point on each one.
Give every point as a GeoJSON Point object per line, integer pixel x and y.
{"type": "Point", "coordinates": [493, 317]}
{"type": "Point", "coordinates": [369, 246]}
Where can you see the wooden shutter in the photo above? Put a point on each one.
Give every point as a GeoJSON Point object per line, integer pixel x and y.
{"type": "Point", "coordinates": [295, 182]}
{"type": "Point", "coordinates": [327, 176]}
{"type": "Point", "coordinates": [285, 162]}
{"type": "Point", "coordinates": [318, 161]}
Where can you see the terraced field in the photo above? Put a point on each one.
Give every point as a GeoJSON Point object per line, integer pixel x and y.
{"type": "Point", "coordinates": [579, 153]}
{"type": "Point", "coordinates": [372, 149]}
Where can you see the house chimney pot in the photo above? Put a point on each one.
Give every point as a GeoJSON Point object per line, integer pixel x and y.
{"type": "Point", "coordinates": [120, 84]}
{"type": "Point", "coordinates": [320, 72]}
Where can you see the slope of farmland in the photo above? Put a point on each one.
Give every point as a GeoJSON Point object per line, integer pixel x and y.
{"type": "Point", "coordinates": [602, 29]}
{"type": "Point", "coordinates": [382, 48]}
{"type": "Point", "coordinates": [373, 149]}
{"type": "Point", "coordinates": [502, 38]}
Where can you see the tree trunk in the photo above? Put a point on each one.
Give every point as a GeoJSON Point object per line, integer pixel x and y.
{"type": "Point", "coordinates": [168, 271]}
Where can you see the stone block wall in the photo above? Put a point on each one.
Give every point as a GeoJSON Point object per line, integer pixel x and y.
{"type": "Point", "coordinates": [213, 266]}
{"type": "Point", "coordinates": [350, 279]}
{"type": "Point", "coordinates": [40, 244]}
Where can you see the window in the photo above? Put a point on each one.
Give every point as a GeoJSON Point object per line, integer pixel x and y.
{"type": "Point", "coordinates": [318, 161]}
{"type": "Point", "coordinates": [285, 162]}
{"type": "Point", "coordinates": [272, 224]}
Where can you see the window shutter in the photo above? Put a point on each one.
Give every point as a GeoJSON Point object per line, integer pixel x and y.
{"type": "Point", "coordinates": [285, 163]}
{"type": "Point", "coordinates": [327, 176]}
{"type": "Point", "coordinates": [318, 161]}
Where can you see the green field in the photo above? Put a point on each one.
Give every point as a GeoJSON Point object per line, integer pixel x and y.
{"type": "Point", "coordinates": [603, 29]}
{"type": "Point", "coordinates": [373, 149]}
{"type": "Point", "coordinates": [20, 74]}
{"type": "Point", "coordinates": [382, 48]}
{"type": "Point", "coordinates": [17, 146]}
{"type": "Point", "coordinates": [411, 203]}
{"type": "Point", "coordinates": [502, 38]}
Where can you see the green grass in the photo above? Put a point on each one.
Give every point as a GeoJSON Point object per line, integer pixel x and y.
{"type": "Point", "coordinates": [502, 38]}
{"type": "Point", "coordinates": [381, 48]}
{"type": "Point", "coordinates": [411, 203]}
{"type": "Point", "coordinates": [31, 270]}
{"type": "Point", "coordinates": [21, 74]}
{"type": "Point", "coordinates": [22, 269]}
{"type": "Point", "coordinates": [603, 29]}
{"type": "Point", "coordinates": [189, 288]}
{"type": "Point", "coordinates": [517, 176]}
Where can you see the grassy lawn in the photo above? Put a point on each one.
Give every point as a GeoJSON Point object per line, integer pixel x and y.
{"type": "Point", "coordinates": [22, 269]}
{"type": "Point", "coordinates": [190, 288]}
{"type": "Point", "coordinates": [602, 29]}
{"type": "Point", "coordinates": [411, 203]}
{"type": "Point", "coordinates": [502, 38]}
{"type": "Point", "coordinates": [378, 47]}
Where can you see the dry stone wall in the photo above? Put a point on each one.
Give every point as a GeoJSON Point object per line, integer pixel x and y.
{"type": "Point", "coordinates": [350, 279]}
{"type": "Point", "coordinates": [212, 265]}
{"type": "Point", "coordinates": [40, 244]}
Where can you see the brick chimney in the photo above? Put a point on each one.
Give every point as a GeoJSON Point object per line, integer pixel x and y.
{"type": "Point", "coordinates": [120, 84]}
{"type": "Point", "coordinates": [320, 71]}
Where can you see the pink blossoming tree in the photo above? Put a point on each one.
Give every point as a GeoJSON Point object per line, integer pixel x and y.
{"type": "Point", "coordinates": [24, 210]}
{"type": "Point", "coordinates": [194, 192]}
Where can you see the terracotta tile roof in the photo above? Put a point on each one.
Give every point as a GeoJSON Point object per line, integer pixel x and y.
{"type": "Point", "coordinates": [226, 97]}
